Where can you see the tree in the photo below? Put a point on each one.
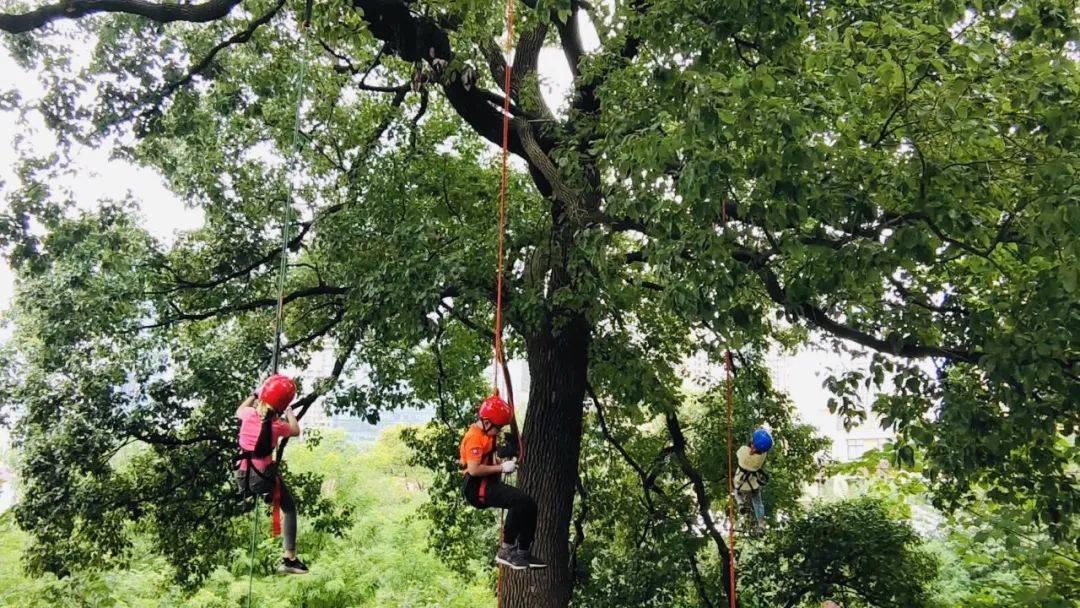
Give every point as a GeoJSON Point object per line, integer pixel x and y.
{"type": "Point", "coordinates": [1000, 557]}
{"type": "Point", "coordinates": [849, 550]}
{"type": "Point", "coordinates": [897, 177]}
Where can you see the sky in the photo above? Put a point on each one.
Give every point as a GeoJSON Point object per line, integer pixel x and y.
{"type": "Point", "coordinates": [98, 177]}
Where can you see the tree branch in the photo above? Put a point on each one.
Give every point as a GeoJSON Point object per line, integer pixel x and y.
{"type": "Point", "coordinates": [251, 305]}
{"type": "Point", "coordinates": [818, 318]}
{"type": "Point", "coordinates": [699, 582]}
{"type": "Point", "coordinates": [678, 442]}
{"type": "Point", "coordinates": [172, 441]}
{"type": "Point", "coordinates": [579, 526]}
{"type": "Point", "coordinates": [197, 69]}
{"type": "Point", "coordinates": [292, 245]}
{"type": "Point", "coordinates": [306, 402]}
{"type": "Point", "coordinates": [570, 36]}
{"type": "Point", "coordinates": [75, 9]}
{"type": "Point", "coordinates": [419, 38]}
{"type": "Point", "coordinates": [339, 314]}
{"type": "Point", "coordinates": [648, 483]}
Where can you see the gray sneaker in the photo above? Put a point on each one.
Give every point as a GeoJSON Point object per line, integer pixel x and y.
{"type": "Point", "coordinates": [530, 559]}
{"type": "Point", "coordinates": [511, 557]}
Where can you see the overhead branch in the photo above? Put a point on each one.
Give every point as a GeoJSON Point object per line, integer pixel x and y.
{"type": "Point", "coordinates": [163, 12]}
{"type": "Point", "coordinates": [197, 69]}
{"type": "Point", "coordinates": [272, 255]}
{"type": "Point", "coordinates": [419, 38]}
{"type": "Point", "coordinates": [570, 37]}
{"type": "Point", "coordinates": [821, 320]}
{"type": "Point", "coordinates": [173, 441]}
{"type": "Point", "coordinates": [922, 301]}
{"type": "Point", "coordinates": [347, 66]}
{"type": "Point", "coordinates": [250, 305]}
{"type": "Point", "coordinates": [526, 60]}
{"type": "Point", "coordinates": [339, 315]}
{"type": "Point", "coordinates": [467, 322]}
{"type": "Point", "coordinates": [758, 261]}
{"type": "Point", "coordinates": [304, 403]}
{"type": "Point", "coordinates": [493, 56]}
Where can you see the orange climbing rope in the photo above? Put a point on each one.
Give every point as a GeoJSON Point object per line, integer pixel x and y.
{"type": "Point", "coordinates": [499, 355]}
{"type": "Point", "coordinates": [502, 196]}
{"type": "Point", "coordinates": [731, 479]}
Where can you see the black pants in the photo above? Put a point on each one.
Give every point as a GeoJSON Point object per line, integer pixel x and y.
{"type": "Point", "coordinates": [520, 525]}
{"type": "Point", "coordinates": [254, 484]}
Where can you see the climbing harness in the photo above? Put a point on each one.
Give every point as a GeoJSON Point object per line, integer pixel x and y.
{"type": "Point", "coordinates": [279, 317]}
{"type": "Point", "coordinates": [731, 478]}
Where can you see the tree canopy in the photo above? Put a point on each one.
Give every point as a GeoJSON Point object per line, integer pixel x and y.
{"type": "Point", "coordinates": [898, 177]}
{"type": "Point", "coordinates": [849, 550]}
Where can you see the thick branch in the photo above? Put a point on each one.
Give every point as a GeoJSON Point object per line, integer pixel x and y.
{"type": "Point", "coordinates": [74, 9]}
{"type": "Point", "coordinates": [820, 319]}
{"type": "Point", "coordinates": [237, 38]}
{"type": "Point", "coordinates": [420, 38]}
{"type": "Point", "coordinates": [570, 37]}
{"type": "Point", "coordinates": [678, 442]}
{"type": "Point", "coordinates": [250, 305]}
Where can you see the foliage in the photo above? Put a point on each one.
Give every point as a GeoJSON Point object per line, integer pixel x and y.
{"type": "Point", "coordinates": [896, 176]}
{"type": "Point", "coordinates": [1002, 557]}
{"type": "Point", "coordinates": [848, 551]}
{"type": "Point", "coordinates": [380, 561]}
{"type": "Point", "coordinates": [990, 554]}
{"type": "Point", "coordinates": [641, 541]}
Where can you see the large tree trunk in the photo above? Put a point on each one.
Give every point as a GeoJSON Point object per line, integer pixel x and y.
{"type": "Point", "coordinates": [558, 363]}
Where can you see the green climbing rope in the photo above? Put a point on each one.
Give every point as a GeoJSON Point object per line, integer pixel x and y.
{"type": "Point", "coordinates": [286, 219]}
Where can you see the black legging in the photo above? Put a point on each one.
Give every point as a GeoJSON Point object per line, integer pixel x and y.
{"type": "Point", "coordinates": [520, 524]}
{"type": "Point", "coordinates": [256, 484]}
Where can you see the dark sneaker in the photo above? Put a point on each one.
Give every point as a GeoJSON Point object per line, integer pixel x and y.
{"type": "Point", "coordinates": [532, 560]}
{"type": "Point", "coordinates": [292, 566]}
{"type": "Point", "coordinates": [511, 557]}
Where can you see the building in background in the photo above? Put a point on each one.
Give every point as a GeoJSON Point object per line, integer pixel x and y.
{"type": "Point", "coordinates": [801, 376]}
{"type": "Point", "coordinates": [359, 431]}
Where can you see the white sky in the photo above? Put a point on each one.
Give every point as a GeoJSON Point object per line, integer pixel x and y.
{"type": "Point", "coordinates": [97, 177]}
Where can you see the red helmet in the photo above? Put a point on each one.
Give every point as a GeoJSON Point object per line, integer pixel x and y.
{"type": "Point", "coordinates": [496, 411]}
{"type": "Point", "coordinates": [278, 392]}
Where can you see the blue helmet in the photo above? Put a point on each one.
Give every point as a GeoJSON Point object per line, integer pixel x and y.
{"type": "Point", "coordinates": [762, 440]}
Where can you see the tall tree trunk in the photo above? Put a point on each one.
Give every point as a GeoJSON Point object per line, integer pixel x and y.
{"type": "Point", "coordinates": [558, 363]}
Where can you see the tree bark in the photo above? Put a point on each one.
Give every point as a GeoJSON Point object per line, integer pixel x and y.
{"type": "Point", "coordinates": [558, 364]}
